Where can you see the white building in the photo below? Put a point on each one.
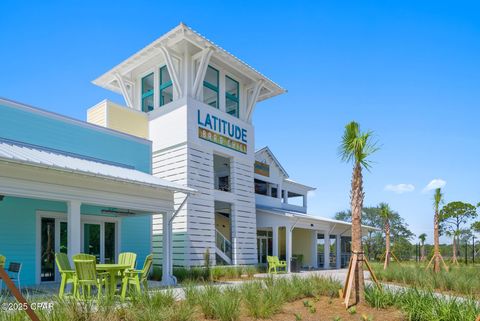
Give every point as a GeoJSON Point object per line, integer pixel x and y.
{"type": "Point", "coordinates": [195, 101]}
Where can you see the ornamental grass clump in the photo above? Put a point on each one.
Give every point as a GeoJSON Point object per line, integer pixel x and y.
{"type": "Point", "coordinates": [226, 307]}
{"type": "Point", "coordinates": [460, 279]}
{"type": "Point", "coordinates": [423, 305]}
{"type": "Point", "coordinates": [262, 301]}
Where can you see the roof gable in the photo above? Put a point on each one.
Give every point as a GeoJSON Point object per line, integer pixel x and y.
{"type": "Point", "coordinates": [268, 152]}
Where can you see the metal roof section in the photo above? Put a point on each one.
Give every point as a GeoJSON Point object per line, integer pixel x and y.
{"type": "Point", "coordinates": [28, 155]}
{"type": "Point", "coordinates": [183, 32]}
{"type": "Point", "coordinates": [309, 217]}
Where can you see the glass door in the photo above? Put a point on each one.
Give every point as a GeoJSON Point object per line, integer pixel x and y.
{"type": "Point", "coordinates": [91, 240]}
{"type": "Point", "coordinates": [262, 244]}
{"type": "Point", "coordinates": [100, 239]}
{"type": "Point", "coordinates": [47, 254]}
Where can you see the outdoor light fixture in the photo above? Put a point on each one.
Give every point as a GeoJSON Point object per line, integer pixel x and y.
{"type": "Point", "coordinates": [118, 212]}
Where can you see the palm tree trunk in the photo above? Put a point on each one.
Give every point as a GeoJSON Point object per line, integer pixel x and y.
{"type": "Point", "coordinates": [454, 250]}
{"type": "Point", "coordinates": [387, 245]}
{"type": "Point", "coordinates": [357, 205]}
{"type": "Point", "coordinates": [436, 246]}
{"type": "Point", "coordinates": [422, 252]}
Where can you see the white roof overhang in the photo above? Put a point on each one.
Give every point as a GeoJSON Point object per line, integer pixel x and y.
{"type": "Point", "coordinates": [169, 40]}
{"type": "Point", "coordinates": [318, 222]}
{"type": "Point", "coordinates": [27, 171]}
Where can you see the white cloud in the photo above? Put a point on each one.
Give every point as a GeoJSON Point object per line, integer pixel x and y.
{"type": "Point", "coordinates": [434, 184]}
{"type": "Point", "coordinates": [400, 188]}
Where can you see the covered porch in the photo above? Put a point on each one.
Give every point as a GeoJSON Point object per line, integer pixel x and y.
{"type": "Point", "coordinates": [52, 202]}
{"type": "Point", "coordinates": [313, 242]}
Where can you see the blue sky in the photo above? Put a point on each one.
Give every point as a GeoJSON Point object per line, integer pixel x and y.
{"type": "Point", "coordinates": [409, 71]}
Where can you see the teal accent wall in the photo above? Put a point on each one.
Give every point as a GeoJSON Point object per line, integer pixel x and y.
{"type": "Point", "coordinates": [136, 237]}
{"type": "Point", "coordinates": [35, 128]}
{"type": "Point", "coordinates": [18, 236]}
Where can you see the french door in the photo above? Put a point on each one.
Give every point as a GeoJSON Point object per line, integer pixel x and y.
{"type": "Point", "coordinates": [53, 239]}
{"type": "Point", "coordinates": [99, 237]}
{"type": "Point", "coordinates": [263, 249]}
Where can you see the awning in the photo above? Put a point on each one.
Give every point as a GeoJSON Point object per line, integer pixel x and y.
{"type": "Point", "coordinates": [26, 154]}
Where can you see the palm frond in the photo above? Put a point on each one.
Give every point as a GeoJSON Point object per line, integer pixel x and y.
{"type": "Point", "coordinates": [357, 146]}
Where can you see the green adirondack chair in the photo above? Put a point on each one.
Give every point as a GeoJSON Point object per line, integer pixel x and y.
{"type": "Point", "coordinates": [274, 264]}
{"type": "Point", "coordinates": [135, 277]}
{"type": "Point", "coordinates": [83, 256]}
{"type": "Point", "coordinates": [128, 258]}
{"type": "Point", "coordinates": [66, 272]}
{"type": "Point", "coordinates": [87, 276]}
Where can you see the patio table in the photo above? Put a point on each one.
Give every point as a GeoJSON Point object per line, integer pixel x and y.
{"type": "Point", "coordinates": [112, 270]}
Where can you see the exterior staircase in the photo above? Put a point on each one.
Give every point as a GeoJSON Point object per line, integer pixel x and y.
{"type": "Point", "coordinates": [223, 248]}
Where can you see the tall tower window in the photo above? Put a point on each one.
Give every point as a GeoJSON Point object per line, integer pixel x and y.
{"type": "Point", "coordinates": [147, 93]}
{"type": "Point", "coordinates": [232, 96]}
{"type": "Point", "coordinates": [210, 87]}
{"type": "Point", "coordinates": [166, 86]}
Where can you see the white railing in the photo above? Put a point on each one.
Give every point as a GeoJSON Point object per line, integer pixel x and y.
{"type": "Point", "coordinates": [223, 244]}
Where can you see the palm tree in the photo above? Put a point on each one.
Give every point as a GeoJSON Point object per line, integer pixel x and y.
{"type": "Point", "coordinates": [356, 147]}
{"type": "Point", "coordinates": [422, 237]}
{"type": "Point", "coordinates": [386, 214]}
{"type": "Point", "coordinates": [454, 234]}
{"type": "Point", "coordinates": [437, 200]}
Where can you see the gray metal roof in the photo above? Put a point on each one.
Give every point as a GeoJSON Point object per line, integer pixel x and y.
{"type": "Point", "coordinates": [36, 156]}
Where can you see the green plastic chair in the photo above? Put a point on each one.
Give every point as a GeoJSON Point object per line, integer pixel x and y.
{"type": "Point", "coordinates": [87, 277]}
{"type": "Point", "coordinates": [128, 258]}
{"type": "Point", "coordinates": [83, 256]}
{"type": "Point", "coordinates": [66, 272]}
{"type": "Point", "coordinates": [274, 264]}
{"type": "Point", "coordinates": [135, 277]}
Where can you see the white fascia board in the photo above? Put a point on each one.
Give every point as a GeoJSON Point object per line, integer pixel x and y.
{"type": "Point", "coordinates": [57, 192]}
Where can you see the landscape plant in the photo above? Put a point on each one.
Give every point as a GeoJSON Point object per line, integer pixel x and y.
{"type": "Point", "coordinates": [422, 305]}
{"type": "Point", "coordinates": [386, 214]}
{"type": "Point", "coordinates": [356, 147]}
{"type": "Point", "coordinates": [452, 218]}
{"type": "Point", "coordinates": [422, 237]}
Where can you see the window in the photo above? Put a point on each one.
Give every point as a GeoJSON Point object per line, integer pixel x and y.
{"type": "Point", "coordinates": [221, 168]}
{"type": "Point", "coordinates": [231, 96]}
{"type": "Point", "coordinates": [147, 93]}
{"type": "Point", "coordinates": [210, 87]}
{"type": "Point", "coordinates": [261, 187]}
{"type": "Point", "coordinates": [166, 86]}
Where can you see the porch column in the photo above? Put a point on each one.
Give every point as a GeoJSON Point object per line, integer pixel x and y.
{"type": "Point", "coordinates": [73, 228]}
{"type": "Point", "coordinates": [338, 245]}
{"type": "Point", "coordinates": [288, 246]}
{"type": "Point", "coordinates": [313, 250]}
{"type": "Point", "coordinates": [167, 248]}
{"type": "Point", "coordinates": [275, 241]}
{"type": "Point", "coordinates": [326, 251]}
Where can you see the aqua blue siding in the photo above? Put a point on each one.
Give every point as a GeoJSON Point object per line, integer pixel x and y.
{"type": "Point", "coordinates": [140, 228]}
{"type": "Point", "coordinates": [48, 131]}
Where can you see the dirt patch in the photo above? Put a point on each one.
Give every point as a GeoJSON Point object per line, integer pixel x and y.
{"type": "Point", "coordinates": [326, 309]}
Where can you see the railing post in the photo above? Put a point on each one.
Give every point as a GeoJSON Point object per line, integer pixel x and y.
{"type": "Point", "coordinates": [17, 294]}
